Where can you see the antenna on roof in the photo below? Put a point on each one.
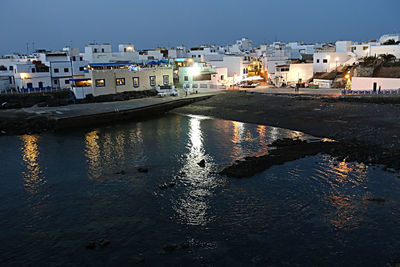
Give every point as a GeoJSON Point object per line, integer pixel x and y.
{"type": "Point", "coordinates": [27, 48]}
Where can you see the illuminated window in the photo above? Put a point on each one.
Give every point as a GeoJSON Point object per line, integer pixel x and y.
{"type": "Point", "coordinates": [152, 80]}
{"type": "Point", "coordinates": [186, 78]}
{"type": "Point", "coordinates": [100, 83]}
{"type": "Point", "coordinates": [135, 82]}
{"type": "Point", "coordinates": [120, 81]}
{"type": "Point", "coordinates": [165, 79]}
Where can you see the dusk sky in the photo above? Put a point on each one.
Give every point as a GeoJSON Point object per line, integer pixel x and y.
{"type": "Point", "coordinates": [53, 24]}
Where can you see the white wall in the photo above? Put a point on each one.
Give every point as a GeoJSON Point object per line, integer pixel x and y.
{"type": "Point", "coordinates": [332, 60]}
{"type": "Point", "coordinates": [366, 83]}
{"type": "Point", "coordinates": [385, 49]}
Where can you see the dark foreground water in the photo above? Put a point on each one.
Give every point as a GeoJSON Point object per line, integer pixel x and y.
{"type": "Point", "coordinates": [59, 191]}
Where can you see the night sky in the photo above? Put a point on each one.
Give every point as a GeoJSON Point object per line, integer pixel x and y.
{"type": "Point", "coordinates": [52, 24]}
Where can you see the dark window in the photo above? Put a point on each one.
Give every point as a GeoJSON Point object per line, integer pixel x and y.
{"type": "Point", "coordinates": [73, 58]}
{"type": "Point", "coordinates": [102, 50]}
{"type": "Point", "coordinates": [66, 70]}
{"type": "Point", "coordinates": [40, 84]}
{"type": "Point", "coordinates": [317, 60]}
{"type": "Point", "coordinates": [222, 77]}
{"type": "Point", "coordinates": [81, 58]}
{"type": "Point", "coordinates": [81, 68]}
{"type": "Point", "coordinates": [124, 49]}
{"type": "Point", "coordinates": [56, 70]}
{"type": "Point", "coordinates": [100, 83]}
{"type": "Point", "coordinates": [165, 79]}
{"type": "Point", "coordinates": [29, 85]}
{"type": "Point", "coordinates": [325, 61]}
{"type": "Point", "coordinates": [55, 82]}
{"type": "Point", "coordinates": [120, 81]}
{"type": "Point", "coordinates": [95, 50]}
{"type": "Point", "coordinates": [33, 70]}
{"type": "Point", "coordinates": [199, 56]}
{"type": "Point", "coordinates": [135, 82]}
{"type": "Point", "coordinates": [186, 78]}
{"type": "Point", "coordinates": [244, 71]}
{"type": "Point", "coordinates": [152, 80]}
{"type": "Point", "coordinates": [365, 48]}
{"type": "Point", "coordinates": [11, 68]}
{"type": "Point", "coordinates": [66, 81]}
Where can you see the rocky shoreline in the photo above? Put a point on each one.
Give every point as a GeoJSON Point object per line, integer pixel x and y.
{"type": "Point", "coordinates": [285, 150]}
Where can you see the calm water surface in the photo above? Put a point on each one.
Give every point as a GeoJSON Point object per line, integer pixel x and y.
{"type": "Point", "coordinates": [59, 191]}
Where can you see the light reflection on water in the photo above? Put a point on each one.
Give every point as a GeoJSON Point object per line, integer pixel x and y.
{"type": "Point", "coordinates": [33, 176]}
{"type": "Point", "coordinates": [316, 198]}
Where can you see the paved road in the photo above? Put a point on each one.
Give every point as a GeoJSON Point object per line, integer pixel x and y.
{"type": "Point", "coordinates": [302, 91]}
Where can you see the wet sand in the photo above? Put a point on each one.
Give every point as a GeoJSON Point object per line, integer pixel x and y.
{"type": "Point", "coordinates": [377, 124]}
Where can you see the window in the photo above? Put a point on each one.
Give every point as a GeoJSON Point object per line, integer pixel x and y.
{"type": "Point", "coordinates": [100, 83]}
{"type": "Point", "coordinates": [165, 79]}
{"type": "Point", "coordinates": [81, 58]}
{"type": "Point", "coordinates": [152, 80]}
{"type": "Point", "coordinates": [40, 84]}
{"type": "Point", "coordinates": [73, 58]}
{"type": "Point", "coordinates": [95, 50]}
{"type": "Point", "coordinates": [102, 50]}
{"type": "Point", "coordinates": [244, 71]}
{"type": "Point", "coordinates": [120, 81]}
{"type": "Point", "coordinates": [222, 77]}
{"type": "Point", "coordinates": [55, 82]}
{"type": "Point", "coordinates": [11, 68]}
{"type": "Point", "coordinates": [365, 47]}
{"type": "Point", "coordinates": [56, 70]}
{"type": "Point", "coordinates": [66, 81]}
{"type": "Point", "coordinates": [317, 60]}
{"type": "Point", "coordinates": [33, 70]}
{"type": "Point", "coordinates": [325, 61]}
{"type": "Point", "coordinates": [66, 70]}
{"type": "Point", "coordinates": [81, 68]}
{"type": "Point", "coordinates": [186, 78]}
{"type": "Point", "coordinates": [135, 82]}
{"type": "Point", "coordinates": [29, 85]}
{"type": "Point", "coordinates": [199, 55]}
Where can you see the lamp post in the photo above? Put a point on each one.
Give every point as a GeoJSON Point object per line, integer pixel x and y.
{"type": "Point", "coordinates": [336, 59]}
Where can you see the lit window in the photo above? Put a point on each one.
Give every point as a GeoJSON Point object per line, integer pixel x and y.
{"type": "Point", "coordinates": [165, 79]}
{"type": "Point", "coordinates": [152, 80]}
{"type": "Point", "coordinates": [120, 81]}
{"type": "Point", "coordinates": [100, 83]}
{"type": "Point", "coordinates": [135, 82]}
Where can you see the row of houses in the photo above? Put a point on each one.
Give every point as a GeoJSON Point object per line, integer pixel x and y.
{"type": "Point", "coordinates": [98, 70]}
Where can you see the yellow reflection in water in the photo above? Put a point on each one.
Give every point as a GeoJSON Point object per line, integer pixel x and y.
{"type": "Point", "coordinates": [33, 175]}
{"type": "Point", "coordinates": [237, 132]}
{"type": "Point", "coordinates": [92, 152]}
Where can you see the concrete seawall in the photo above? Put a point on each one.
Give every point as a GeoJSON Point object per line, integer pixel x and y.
{"type": "Point", "coordinates": [43, 119]}
{"type": "Point", "coordinates": [123, 115]}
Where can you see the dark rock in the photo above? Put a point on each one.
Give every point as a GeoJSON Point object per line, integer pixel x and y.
{"type": "Point", "coordinates": [376, 199]}
{"type": "Point", "coordinates": [104, 243]}
{"type": "Point", "coordinates": [171, 184]}
{"type": "Point", "coordinates": [143, 170]}
{"type": "Point", "coordinates": [185, 245]}
{"type": "Point", "coordinates": [120, 172]}
{"type": "Point", "coordinates": [163, 186]}
{"type": "Point", "coordinates": [170, 247]}
{"type": "Point", "coordinates": [90, 245]}
{"type": "Point", "coordinates": [202, 163]}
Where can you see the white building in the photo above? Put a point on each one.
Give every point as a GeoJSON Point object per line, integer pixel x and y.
{"type": "Point", "coordinates": [102, 53]}
{"type": "Point", "coordinates": [203, 78]}
{"type": "Point", "coordinates": [387, 37]}
{"type": "Point", "coordinates": [326, 62]}
{"type": "Point", "coordinates": [373, 83]}
{"type": "Point", "coordinates": [293, 73]}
